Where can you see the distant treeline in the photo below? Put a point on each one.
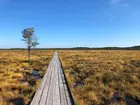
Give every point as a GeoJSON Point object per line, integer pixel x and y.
{"type": "Point", "coordinates": [102, 48]}
{"type": "Point", "coordinates": [82, 48]}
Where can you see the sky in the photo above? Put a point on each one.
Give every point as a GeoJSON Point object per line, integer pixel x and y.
{"type": "Point", "coordinates": [71, 23]}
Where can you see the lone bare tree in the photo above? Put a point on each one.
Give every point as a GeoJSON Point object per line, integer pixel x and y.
{"type": "Point", "coordinates": [30, 39]}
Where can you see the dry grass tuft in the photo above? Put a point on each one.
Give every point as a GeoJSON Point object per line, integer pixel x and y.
{"type": "Point", "coordinates": [17, 84]}
{"type": "Point", "coordinates": [96, 76]}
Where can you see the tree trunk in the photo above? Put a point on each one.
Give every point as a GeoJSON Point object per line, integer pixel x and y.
{"type": "Point", "coordinates": [29, 54]}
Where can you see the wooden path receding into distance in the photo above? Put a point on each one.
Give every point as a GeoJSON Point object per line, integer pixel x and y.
{"type": "Point", "coordinates": [54, 89]}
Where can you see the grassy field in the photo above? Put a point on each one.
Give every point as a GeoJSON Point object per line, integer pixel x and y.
{"type": "Point", "coordinates": [96, 77]}
{"type": "Point", "coordinates": [17, 84]}
{"type": "Point", "coordinates": [103, 77]}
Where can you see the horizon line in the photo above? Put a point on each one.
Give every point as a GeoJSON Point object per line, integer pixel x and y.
{"type": "Point", "coordinates": [72, 47]}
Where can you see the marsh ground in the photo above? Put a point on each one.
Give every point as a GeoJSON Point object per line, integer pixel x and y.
{"type": "Point", "coordinates": [101, 77]}
{"type": "Point", "coordinates": [17, 82]}
{"type": "Point", "coordinates": [96, 77]}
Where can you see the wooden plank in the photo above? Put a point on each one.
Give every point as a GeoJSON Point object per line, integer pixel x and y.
{"type": "Point", "coordinates": [51, 89]}
{"type": "Point", "coordinates": [65, 89]}
{"type": "Point", "coordinates": [69, 97]}
{"type": "Point", "coordinates": [57, 92]}
{"type": "Point", "coordinates": [36, 99]}
{"type": "Point", "coordinates": [62, 89]}
{"type": "Point", "coordinates": [54, 88]}
{"type": "Point", "coordinates": [46, 88]}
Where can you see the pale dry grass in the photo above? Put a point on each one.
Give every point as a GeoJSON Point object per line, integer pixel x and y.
{"type": "Point", "coordinates": [16, 75]}
{"type": "Point", "coordinates": [95, 76]}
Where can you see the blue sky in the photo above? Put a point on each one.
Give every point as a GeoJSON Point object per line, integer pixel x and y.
{"type": "Point", "coordinates": [71, 23]}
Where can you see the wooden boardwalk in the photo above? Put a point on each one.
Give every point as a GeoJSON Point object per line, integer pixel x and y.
{"type": "Point", "coordinates": [54, 89]}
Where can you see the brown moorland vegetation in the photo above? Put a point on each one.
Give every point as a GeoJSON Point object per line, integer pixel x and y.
{"type": "Point", "coordinates": [17, 83]}
{"type": "Point", "coordinates": [103, 77]}
{"type": "Point", "coordinates": [96, 77]}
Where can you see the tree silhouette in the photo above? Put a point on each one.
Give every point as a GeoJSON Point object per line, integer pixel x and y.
{"type": "Point", "coordinates": [30, 39]}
